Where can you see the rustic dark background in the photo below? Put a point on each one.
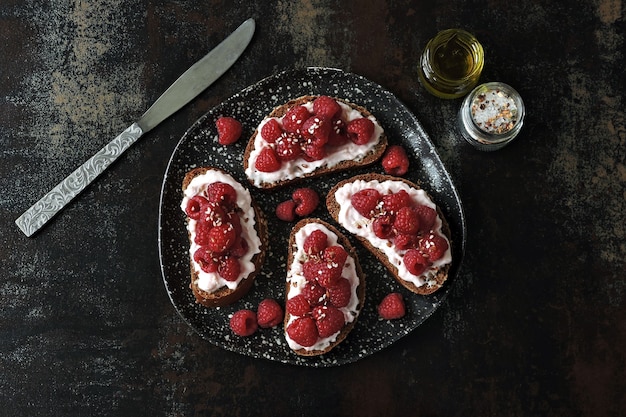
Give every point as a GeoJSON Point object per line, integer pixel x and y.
{"type": "Point", "coordinates": [536, 322]}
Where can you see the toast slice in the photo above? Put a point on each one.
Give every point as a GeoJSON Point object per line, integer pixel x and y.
{"type": "Point", "coordinates": [227, 236]}
{"type": "Point", "coordinates": [300, 150]}
{"type": "Point", "coordinates": [413, 243]}
{"type": "Point", "coordinates": [311, 297]}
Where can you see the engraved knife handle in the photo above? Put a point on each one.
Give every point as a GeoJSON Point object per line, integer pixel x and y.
{"type": "Point", "coordinates": [51, 203]}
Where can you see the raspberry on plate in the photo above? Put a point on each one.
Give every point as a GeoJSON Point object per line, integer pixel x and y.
{"type": "Point", "coordinates": [395, 161]}
{"type": "Point", "coordinates": [267, 161]}
{"type": "Point", "coordinates": [229, 268]}
{"type": "Point", "coordinates": [298, 306]}
{"type": "Point", "coordinates": [271, 131]}
{"type": "Point", "coordinates": [415, 262]}
{"type": "Point", "coordinates": [244, 323]}
{"type": "Point", "coordinates": [360, 131]}
{"type": "Point", "coordinates": [339, 294]}
{"type": "Point", "coordinates": [306, 200]}
{"type": "Point", "coordinates": [228, 130]}
{"type": "Point", "coordinates": [392, 307]}
{"type": "Point", "coordinates": [365, 202]}
{"type": "Point", "coordinates": [315, 243]}
{"type": "Point", "coordinates": [294, 118]}
{"type": "Point", "coordinates": [286, 211]}
{"type": "Point", "coordinates": [328, 319]}
{"type": "Point", "coordinates": [326, 106]}
{"type": "Point", "coordinates": [269, 313]}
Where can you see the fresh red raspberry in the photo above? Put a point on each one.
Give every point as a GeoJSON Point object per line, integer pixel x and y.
{"type": "Point", "coordinates": [315, 243]}
{"type": "Point", "coordinates": [313, 153]}
{"type": "Point", "coordinates": [407, 221]}
{"type": "Point", "coordinates": [288, 147]}
{"type": "Point", "coordinates": [339, 294]}
{"type": "Point", "coordinates": [360, 131]}
{"type": "Point", "coordinates": [294, 118]}
{"type": "Point", "coordinates": [326, 106]}
{"type": "Point", "coordinates": [365, 202]}
{"type": "Point", "coordinates": [392, 203]}
{"type": "Point", "coordinates": [328, 319]}
{"type": "Point", "coordinates": [244, 323]}
{"type": "Point", "coordinates": [271, 130]}
{"type": "Point", "coordinates": [306, 200]}
{"type": "Point", "coordinates": [325, 273]}
{"type": "Point", "coordinates": [395, 161]}
{"type": "Point", "coordinates": [221, 238]}
{"type": "Point", "coordinates": [313, 293]}
{"type": "Point", "coordinates": [415, 262]}
{"type": "Point", "coordinates": [303, 331]}
{"type": "Point", "coordinates": [269, 313]}
{"type": "Point", "coordinates": [286, 211]}
{"type": "Point", "coordinates": [229, 268]}
{"type": "Point", "coordinates": [222, 194]}
{"type": "Point", "coordinates": [206, 259]}
{"type": "Point", "coordinates": [316, 130]}
{"type": "Point", "coordinates": [433, 246]}
{"type": "Point", "coordinates": [203, 228]}
{"type": "Point", "coordinates": [195, 206]}
{"type": "Point", "coordinates": [336, 255]}
{"type": "Point", "coordinates": [228, 130]}
{"type": "Point", "coordinates": [338, 135]}
{"type": "Point", "coordinates": [239, 248]}
{"type": "Point", "coordinates": [298, 306]}
{"type": "Point", "coordinates": [392, 306]}
{"type": "Point", "coordinates": [267, 161]}
{"type": "Point", "coordinates": [383, 226]}
{"type": "Point", "coordinates": [427, 217]}
{"type": "Point", "coordinates": [404, 242]}
{"type": "Point", "coordinates": [212, 214]}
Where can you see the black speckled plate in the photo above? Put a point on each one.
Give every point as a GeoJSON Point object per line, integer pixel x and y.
{"type": "Point", "coordinates": [199, 147]}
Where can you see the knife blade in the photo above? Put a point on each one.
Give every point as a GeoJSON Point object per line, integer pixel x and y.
{"type": "Point", "coordinates": [191, 83]}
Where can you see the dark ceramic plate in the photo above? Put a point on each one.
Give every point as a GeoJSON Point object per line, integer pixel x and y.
{"type": "Point", "coordinates": [199, 147]}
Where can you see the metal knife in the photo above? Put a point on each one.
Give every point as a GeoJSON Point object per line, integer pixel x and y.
{"type": "Point", "coordinates": [195, 80]}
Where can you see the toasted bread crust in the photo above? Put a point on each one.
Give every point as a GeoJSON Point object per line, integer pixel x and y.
{"type": "Point", "coordinates": [343, 241]}
{"type": "Point", "coordinates": [442, 274]}
{"type": "Point", "coordinates": [374, 155]}
{"type": "Point", "coordinates": [224, 295]}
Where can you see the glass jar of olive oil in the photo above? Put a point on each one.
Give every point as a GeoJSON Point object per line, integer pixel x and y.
{"type": "Point", "coordinates": [451, 63]}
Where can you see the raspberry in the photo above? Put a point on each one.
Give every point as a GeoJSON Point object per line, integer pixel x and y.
{"type": "Point", "coordinates": [271, 130]}
{"type": "Point", "coordinates": [203, 228]}
{"type": "Point", "coordinates": [244, 323]}
{"type": "Point", "coordinates": [294, 118]}
{"type": "Point", "coordinates": [313, 293]}
{"type": "Point", "coordinates": [392, 306]}
{"type": "Point", "coordinates": [339, 294]}
{"type": "Point", "coordinates": [392, 203]}
{"type": "Point", "coordinates": [220, 238]}
{"type": "Point", "coordinates": [404, 242]}
{"type": "Point", "coordinates": [228, 130]}
{"type": "Point", "coordinates": [195, 206]}
{"type": "Point", "coordinates": [328, 319]}
{"type": "Point", "coordinates": [325, 273]}
{"type": "Point", "coordinates": [234, 219]}
{"type": "Point", "coordinates": [365, 202]}
{"type": "Point", "coordinates": [239, 248]}
{"type": "Point", "coordinates": [286, 211]}
{"type": "Point", "coordinates": [222, 194]}
{"type": "Point", "coordinates": [288, 147]}
{"type": "Point", "coordinates": [383, 226]}
{"type": "Point", "coordinates": [303, 331]}
{"type": "Point", "coordinates": [315, 243]}
{"type": "Point", "coordinates": [316, 129]}
{"type": "Point", "coordinates": [395, 161]}
{"type": "Point", "coordinates": [433, 246]}
{"type": "Point", "coordinates": [313, 153]}
{"type": "Point", "coordinates": [269, 313]}
{"type": "Point", "coordinates": [336, 255]}
{"type": "Point", "coordinates": [229, 268]}
{"type": "Point", "coordinates": [325, 106]}
{"type": "Point", "coordinates": [206, 259]}
{"type": "Point", "coordinates": [298, 306]}
{"type": "Point", "coordinates": [360, 130]}
{"type": "Point", "coordinates": [407, 221]}
{"type": "Point", "coordinates": [212, 214]}
{"type": "Point", "coordinates": [415, 262]}
{"type": "Point", "coordinates": [338, 135]}
{"type": "Point", "coordinates": [267, 161]}
{"type": "Point", "coordinates": [306, 200]}
{"type": "Point", "coordinates": [427, 217]}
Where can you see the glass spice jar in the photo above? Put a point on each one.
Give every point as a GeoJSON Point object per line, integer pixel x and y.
{"type": "Point", "coordinates": [491, 116]}
{"type": "Point", "coordinates": [451, 63]}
